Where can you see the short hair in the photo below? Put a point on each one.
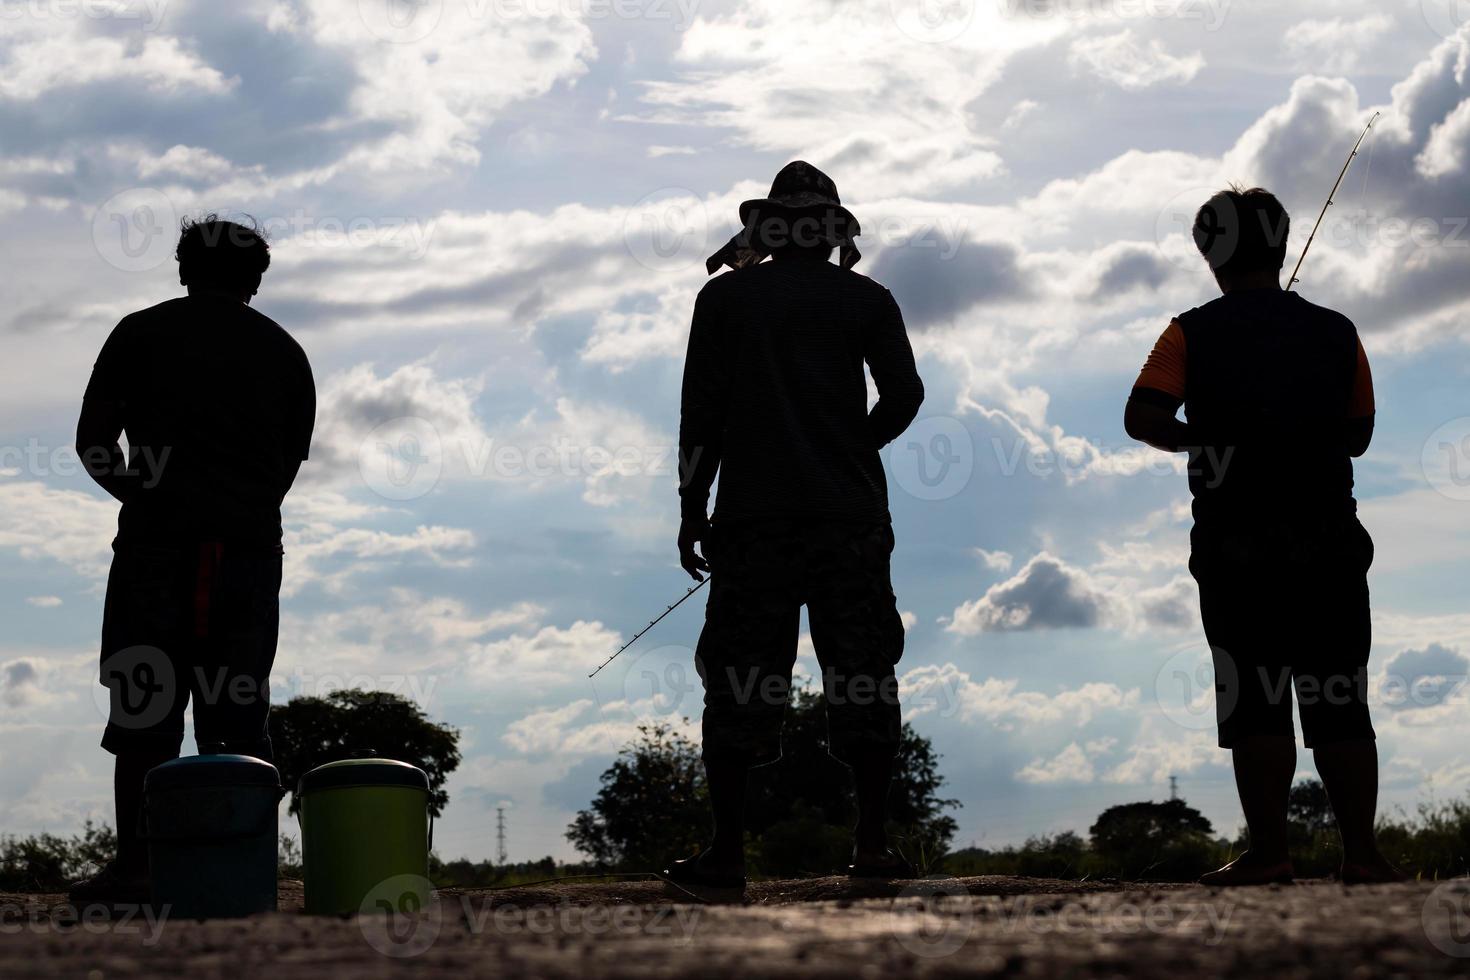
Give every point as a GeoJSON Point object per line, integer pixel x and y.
{"type": "Point", "coordinates": [222, 253]}
{"type": "Point", "coordinates": [1239, 231]}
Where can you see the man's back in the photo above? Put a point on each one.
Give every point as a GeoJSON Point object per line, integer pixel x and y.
{"type": "Point", "coordinates": [775, 382]}
{"type": "Point", "coordinates": [1270, 384]}
{"type": "Point", "coordinates": [218, 404]}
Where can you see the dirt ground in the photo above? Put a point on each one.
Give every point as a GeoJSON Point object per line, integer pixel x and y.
{"type": "Point", "coordinates": [825, 927]}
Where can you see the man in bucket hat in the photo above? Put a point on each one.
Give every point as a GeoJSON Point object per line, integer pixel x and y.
{"type": "Point", "coordinates": [775, 401]}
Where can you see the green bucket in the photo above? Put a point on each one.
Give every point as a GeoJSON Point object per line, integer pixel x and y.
{"type": "Point", "coordinates": [211, 831]}
{"type": "Point", "coordinates": [365, 832]}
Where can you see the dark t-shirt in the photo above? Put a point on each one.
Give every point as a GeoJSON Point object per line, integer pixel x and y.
{"type": "Point", "coordinates": [1270, 384]}
{"type": "Point", "coordinates": [775, 397]}
{"type": "Point", "coordinates": [218, 405]}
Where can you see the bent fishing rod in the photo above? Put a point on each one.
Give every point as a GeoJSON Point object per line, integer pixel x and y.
{"type": "Point", "coordinates": [654, 622]}
{"type": "Point", "coordinates": [1330, 195]}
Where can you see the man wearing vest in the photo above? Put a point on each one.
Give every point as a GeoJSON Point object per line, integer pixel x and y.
{"type": "Point", "coordinates": [1278, 400]}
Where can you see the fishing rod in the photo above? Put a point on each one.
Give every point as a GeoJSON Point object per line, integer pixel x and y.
{"type": "Point", "coordinates": [651, 625]}
{"type": "Point", "coordinates": [1330, 195]}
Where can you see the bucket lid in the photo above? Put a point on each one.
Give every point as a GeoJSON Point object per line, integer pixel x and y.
{"type": "Point", "coordinates": [364, 772]}
{"type": "Point", "coordinates": [212, 770]}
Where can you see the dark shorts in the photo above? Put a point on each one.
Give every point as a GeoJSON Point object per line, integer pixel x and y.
{"type": "Point", "coordinates": [1285, 609]}
{"type": "Point", "coordinates": [195, 621]}
{"type": "Point", "coordinates": [764, 572]}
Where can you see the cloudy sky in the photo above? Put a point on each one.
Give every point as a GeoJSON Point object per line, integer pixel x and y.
{"type": "Point", "coordinates": [489, 219]}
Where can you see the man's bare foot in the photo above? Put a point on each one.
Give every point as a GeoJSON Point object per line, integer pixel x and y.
{"type": "Point", "coordinates": [1377, 870]}
{"type": "Point", "coordinates": [1249, 870]}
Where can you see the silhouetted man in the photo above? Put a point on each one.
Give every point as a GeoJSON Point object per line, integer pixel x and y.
{"type": "Point", "coordinates": [1278, 399]}
{"type": "Point", "coordinates": [775, 401]}
{"type": "Point", "coordinates": [218, 405]}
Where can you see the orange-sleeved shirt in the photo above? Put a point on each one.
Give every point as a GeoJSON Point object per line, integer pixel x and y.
{"type": "Point", "coordinates": [1274, 388]}
{"type": "Point", "coordinates": [1164, 374]}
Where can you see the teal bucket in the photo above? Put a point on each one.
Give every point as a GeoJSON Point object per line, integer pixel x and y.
{"type": "Point", "coordinates": [212, 834]}
{"type": "Point", "coordinates": [365, 836]}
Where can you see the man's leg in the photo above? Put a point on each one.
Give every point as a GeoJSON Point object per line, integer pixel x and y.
{"type": "Point", "coordinates": [1245, 626]}
{"type": "Point", "coordinates": [128, 773]}
{"type": "Point", "coordinates": [1264, 768]}
{"type": "Point", "coordinates": [141, 640]}
{"type": "Point", "coordinates": [872, 775]}
{"type": "Point", "coordinates": [1349, 771]}
{"type": "Point", "coordinates": [858, 636]}
{"type": "Point", "coordinates": [234, 657]}
{"type": "Point", "coordinates": [727, 784]}
{"type": "Point", "coordinates": [745, 655]}
{"type": "Point", "coordinates": [1336, 722]}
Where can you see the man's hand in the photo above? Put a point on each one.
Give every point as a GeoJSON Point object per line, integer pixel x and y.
{"type": "Point", "coordinates": [691, 531]}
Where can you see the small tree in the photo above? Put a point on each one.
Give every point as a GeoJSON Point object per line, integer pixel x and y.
{"type": "Point", "coordinates": [653, 803]}
{"type": "Point", "coordinates": [1169, 840]}
{"type": "Point", "coordinates": [308, 732]}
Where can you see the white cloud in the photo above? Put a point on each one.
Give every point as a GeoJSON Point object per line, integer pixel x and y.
{"type": "Point", "coordinates": [1132, 64]}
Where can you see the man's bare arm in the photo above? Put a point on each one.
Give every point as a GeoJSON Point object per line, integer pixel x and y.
{"type": "Point", "coordinates": [98, 430]}
{"type": "Point", "coordinates": [1157, 426]}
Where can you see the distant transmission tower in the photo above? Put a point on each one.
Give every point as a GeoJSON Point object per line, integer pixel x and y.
{"type": "Point", "coordinates": [1173, 787]}
{"type": "Point", "coordinates": [500, 834]}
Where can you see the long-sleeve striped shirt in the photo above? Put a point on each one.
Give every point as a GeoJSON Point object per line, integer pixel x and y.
{"type": "Point", "coordinates": [775, 399]}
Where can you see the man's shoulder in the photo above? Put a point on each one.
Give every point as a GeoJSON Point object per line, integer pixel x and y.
{"type": "Point", "coordinates": [761, 274]}
{"type": "Point", "coordinates": [1323, 316]}
{"type": "Point", "coordinates": [1226, 308]}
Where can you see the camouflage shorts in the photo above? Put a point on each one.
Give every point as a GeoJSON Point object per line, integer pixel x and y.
{"type": "Point", "coordinates": [763, 574]}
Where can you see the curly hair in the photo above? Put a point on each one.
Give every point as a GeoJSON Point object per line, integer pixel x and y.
{"type": "Point", "coordinates": [222, 253]}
